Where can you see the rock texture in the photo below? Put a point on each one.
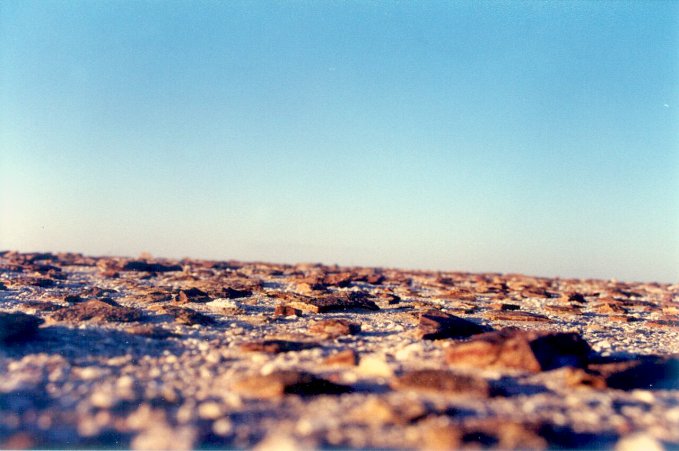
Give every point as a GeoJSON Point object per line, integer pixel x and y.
{"type": "Point", "coordinates": [148, 353]}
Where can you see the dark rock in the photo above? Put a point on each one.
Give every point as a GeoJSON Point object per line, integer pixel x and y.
{"type": "Point", "coordinates": [43, 282]}
{"type": "Point", "coordinates": [578, 298]}
{"type": "Point", "coordinates": [276, 346]}
{"type": "Point", "coordinates": [333, 328]}
{"type": "Point", "coordinates": [652, 373]}
{"type": "Point", "coordinates": [232, 293]}
{"type": "Point", "coordinates": [16, 327]}
{"type": "Point", "coordinates": [192, 295]}
{"type": "Point", "coordinates": [442, 381]}
{"type": "Point", "coordinates": [73, 299]}
{"type": "Point", "coordinates": [523, 350]}
{"type": "Point", "coordinates": [140, 265]}
{"type": "Point", "coordinates": [435, 324]}
{"type": "Point", "coordinates": [97, 310]}
{"type": "Point", "coordinates": [291, 382]}
{"type": "Point", "coordinates": [334, 303]}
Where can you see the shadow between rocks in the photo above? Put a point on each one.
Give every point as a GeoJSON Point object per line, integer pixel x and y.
{"type": "Point", "coordinates": [78, 344]}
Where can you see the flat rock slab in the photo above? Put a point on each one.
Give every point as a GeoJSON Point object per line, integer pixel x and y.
{"type": "Point", "coordinates": [435, 324]}
{"type": "Point", "coordinates": [333, 304]}
{"type": "Point", "coordinates": [521, 350]}
{"type": "Point", "coordinates": [290, 382]}
{"type": "Point", "coordinates": [332, 328]}
{"type": "Point", "coordinates": [97, 310]}
{"type": "Point", "coordinates": [16, 327]}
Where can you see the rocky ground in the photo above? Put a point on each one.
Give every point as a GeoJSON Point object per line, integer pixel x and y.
{"type": "Point", "coordinates": [100, 352]}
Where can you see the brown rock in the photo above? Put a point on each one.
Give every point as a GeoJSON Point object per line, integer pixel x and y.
{"type": "Point", "coordinates": [348, 357]}
{"type": "Point", "coordinates": [39, 306]}
{"type": "Point", "coordinates": [276, 346]}
{"type": "Point", "coordinates": [563, 309]}
{"type": "Point", "coordinates": [286, 310]}
{"type": "Point", "coordinates": [334, 303]}
{"type": "Point", "coordinates": [516, 316]}
{"type": "Point", "coordinates": [192, 295]}
{"type": "Point", "coordinates": [233, 293]}
{"type": "Point", "coordinates": [281, 383]}
{"type": "Point", "coordinates": [442, 381]}
{"type": "Point", "coordinates": [97, 310]}
{"type": "Point", "coordinates": [342, 279]}
{"type": "Point", "coordinates": [435, 324]}
{"type": "Point", "coordinates": [516, 349]}
{"type": "Point", "coordinates": [333, 328]}
{"type": "Point", "coordinates": [17, 327]}
{"type": "Point", "coordinates": [609, 308]}
{"type": "Point", "coordinates": [183, 315]}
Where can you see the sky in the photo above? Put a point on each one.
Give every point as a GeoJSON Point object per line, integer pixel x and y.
{"type": "Point", "coordinates": [526, 137]}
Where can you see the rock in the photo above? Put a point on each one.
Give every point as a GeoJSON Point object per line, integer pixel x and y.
{"type": "Point", "coordinates": [334, 303]}
{"type": "Point", "coordinates": [97, 310]}
{"type": "Point", "coordinates": [563, 309]}
{"type": "Point", "coordinates": [608, 308]}
{"type": "Point", "coordinates": [341, 280]}
{"type": "Point", "coordinates": [276, 346]}
{"type": "Point", "coordinates": [347, 357]}
{"type": "Point", "coordinates": [577, 298]}
{"type": "Point", "coordinates": [184, 315]}
{"type": "Point", "coordinates": [140, 265]}
{"type": "Point", "coordinates": [333, 328]}
{"type": "Point", "coordinates": [434, 324]}
{"type": "Point", "coordinates": [442, 381]}
{"type": "Point", "coordinates": [17, 327]}
{"type": "Point", "coordinates": [39, 306]}
{"type": "Point", "coordinates": [503, 306]}
{"type": "Point", "coordinates": [192, 295]}
{"type": "Point", "coordinates": [286, 310]}
{"type": "Point", "coordinates": [280, 383]}
{"type": "Point", "coordinates": [232, 293]}
{"type": "Point", "coordinates": [522, 350]}
{"type": "Point", "coordinates": [516, 316]}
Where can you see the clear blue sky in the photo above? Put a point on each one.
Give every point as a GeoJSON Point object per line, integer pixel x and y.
{"type": "Point", "coordinates": [540, 138]}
